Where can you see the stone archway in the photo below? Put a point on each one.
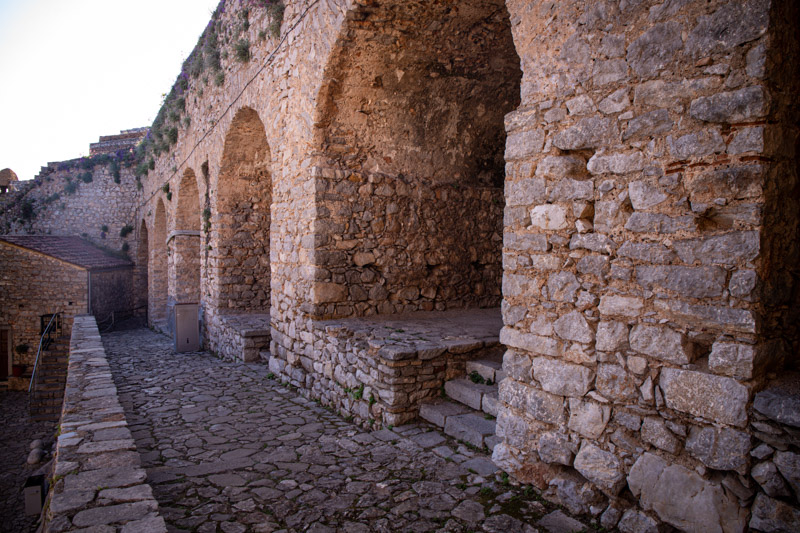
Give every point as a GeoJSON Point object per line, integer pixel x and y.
{"type": "Point", "coordinates": [239, 259]}
{"type": "Point", "coordinates": [411, 129]}
{"type": "Point", "coordinates": [157, 275]}
{"type": "Point", "coordinates": [140, 272]}
{"type": "Point", "coordinates": [185, 243]}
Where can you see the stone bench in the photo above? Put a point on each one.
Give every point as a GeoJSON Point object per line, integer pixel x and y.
{"type": "Point", "coordinates": [98, 481]}
{"type": "Point", "coordinates": [241, 337]}
{"type": "Point", "coordinates": [384, 367]}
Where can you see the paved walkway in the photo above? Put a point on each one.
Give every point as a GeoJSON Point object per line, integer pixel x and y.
{"type": "Point", "coordinates": [228, 449]}
{"type": "Point", "coordinates": [17, 431]}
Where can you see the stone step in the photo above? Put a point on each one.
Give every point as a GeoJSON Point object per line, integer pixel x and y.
{"type": "Point", "coordinates": [461, 422]}
{"type": "Point", "coordinates": [264, 356]}
{"type": "Point", "coordinates": [474, 395]}
{"type": "Point", "coordinates": [489, 369]}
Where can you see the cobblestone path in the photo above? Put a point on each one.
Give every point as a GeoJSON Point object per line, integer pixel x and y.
{"type": "Point", "coordinates": [17, 431]}
{"type": "Point", "coordinates": [228, 449]}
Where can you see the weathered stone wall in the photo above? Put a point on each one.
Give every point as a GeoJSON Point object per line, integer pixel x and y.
{"type": "Point", "coordinates": [64, 204]}
{"type": "Point", "coordinates": [34, 284]}
{"type": "Point", "coordinates": [637, 169]}
{"type": "Point", "coordinates": [112, 292]}
{"type": "Point", "coordinates": [99, 483]}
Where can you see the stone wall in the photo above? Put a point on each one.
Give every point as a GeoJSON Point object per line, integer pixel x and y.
{"type": "Point", "coordinates": [112, 292]}
{"type": "Point", "coordinates": [352, 166]}
{"type": "Point", "coordinates": [34, 284]}
{"type": "Point", "coordinates": [98, 481]}
{"type": "Point", "coordinates": [638, 168]}
{"type": "Point", "coordinates": [79, 197]}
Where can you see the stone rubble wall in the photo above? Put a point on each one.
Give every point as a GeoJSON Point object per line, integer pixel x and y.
{"type": "Point", "coordinates": [375, 379]}
{"type": "Point", "coordinates": [398, 245]}
{"type": "Point", "coordinates": [638, 170]}
{"type": "Point", "coordinates": [98, 481]}
{"type": "Point", "coordinates": [100, 202]}
{"type": "Point", "coordinates": [34, 284]}
{"type": "Point", "coordinates": [238, 337]}
{"type": "Point", "coordinates": [112, 292]}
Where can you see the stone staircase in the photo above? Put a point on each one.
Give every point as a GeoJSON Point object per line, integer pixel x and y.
{"type": "Point", "coordinates": [47, 393]}
{"type": "Point", "coordinates": [469, 409]}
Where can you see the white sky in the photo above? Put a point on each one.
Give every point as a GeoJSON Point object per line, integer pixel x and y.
{"type": "Point", "coordinates": [73, 70]}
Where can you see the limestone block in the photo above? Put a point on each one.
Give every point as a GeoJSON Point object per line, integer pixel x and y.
{"type": "Point", "coordinates": [611, 335]}
{"type": "Point", "coordinates": [580, 105]}
{"type": "Point", "coordinates": [609, 71]}
{"type": "Point", "coordinates": [529, 342]}
{"type": "Point", "coordinates": [588, 133]}
{"type": "Point", "coordinates": [600, 467]}
{"type": "Point", "coordinates": [588, 418]}
{"type": "Point", "coordinates": [757, 61]}
{"type": "Point", "coordinates": [520, 145]}
{"type": "Point", "coordinates": [740, 182]}
{"type": "Point", "coordinates": [732, 359]}
{"type": "Point", "coordinates": [781, 401]}
{"type": "Point", "coordinates": [554, 447]}
{"type": "Point", "coordinates": [644, 196]}
{"type": "Point", "coordinates": [616, 163]}
{"type": "Point", "coordinates": [699, 282]}
{"type": "Point", "coordinates": [788, 464]}
{"type": "Point", "coordinates": [562, 286]}
{"type": "Point", "coordinates": [596, 242]}
{"type": "Point", "coordinates": [766, 474]}
{"type": "Point", "coordinates": [658, 93]}
{"type": "Point", "coordinates": [568, 189]}
{"type": "Point", "coordinates": [563, 379]}
{"type": "Point", "coordinates": [655, 431]}
{"type": "Point", "coordinates": [729, 26]}
{"type": "Point", "coordinates": [716, 398]}
{"type": "Point", "coordinates": [729, 318]}
{"type": "Point", "coordinates": [637, 522]}
{"type": "Point", "coordinates": [771, 515]}
{"type": "Point", "coordinates": [720, 448]}
{"type": "Point", "coordinates": [615, 102]}
{"type": "Point", "coordinates": [574, 327]}
{"type": "Point", "coordinates": [525, 192]}
{"type": "Point", "coordinates": [648, 125]}
{"type": "Point", "coordinates": [655, 49]}
{"type": "Point", "coordinates": [620, 305]}
{"type": "Point", "coordinates": [743, 283]}
{"type": "Point", "coordinates": [647, 252]}
{"type": "Point", "coordinates": [549, 217]}
{"type": "Point", "coordinates": [658, 223]}
{"type": "Point", "coordinates": [556, 167]}
{"type": "Point", "coordinates": [662, 343]}
{"type": "Point", "coordinates": [747, 140]}
{"type": "Point", "coordinates": [596, 265]}
{"type": "Point", "coordinates": [742, 105]}
{"type": "Point", "coordinates": [682, 498]}
{"type": "Point", "coordinates": [698, 144]}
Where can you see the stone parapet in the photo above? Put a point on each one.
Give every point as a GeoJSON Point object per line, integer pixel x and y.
{"type": "Point", "coordinates": [98, 480]}
{"type": "Point", "coordinates": [239, 337]}
{"type": "Point", "coordinates": [381, 369]}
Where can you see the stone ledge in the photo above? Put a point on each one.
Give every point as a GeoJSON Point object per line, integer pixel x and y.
{"type": "Point", "coordinates": [98, 481]}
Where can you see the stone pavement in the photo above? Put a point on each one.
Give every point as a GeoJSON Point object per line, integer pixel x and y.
{"type": "Point", "coordinates": [17, 431]}
{"type": "Point", "coordinates": [227, 448]}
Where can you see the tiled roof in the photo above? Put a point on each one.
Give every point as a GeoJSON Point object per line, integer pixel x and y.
{"type": "Point", "coordinates": [73, 250]}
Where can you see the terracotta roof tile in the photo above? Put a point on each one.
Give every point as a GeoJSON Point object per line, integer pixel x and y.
{"type": "Point", "coordinates": [73, 250]}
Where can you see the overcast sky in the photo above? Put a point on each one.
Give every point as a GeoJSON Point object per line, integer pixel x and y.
{"type": "Point", "coordinates": [73, 70]}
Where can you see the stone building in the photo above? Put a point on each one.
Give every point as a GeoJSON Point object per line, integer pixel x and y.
{"type": "Point", "coordinates": [44, 275]}
{"type": "Point", "coordinates": [374, 193]}
{"type": "Point", "coordinates": [8, 179]}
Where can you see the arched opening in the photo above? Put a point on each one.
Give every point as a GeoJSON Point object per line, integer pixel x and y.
{"type": "Point", "coordinates": [185, 243]}
{"type": "Point", "coordinates": [140, 273]}
{"type": "Point", "coordinates": [157, 274]}
{"type": "Point", "coordinates": [239, 259]}
{"type": "Point", "coordinates": [412, 135]}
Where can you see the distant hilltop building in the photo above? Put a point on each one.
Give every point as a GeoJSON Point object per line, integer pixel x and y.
{"type": "Point", "coordinates": [127, 139]}
{"type": "Point", "coordinates": [7, 180]}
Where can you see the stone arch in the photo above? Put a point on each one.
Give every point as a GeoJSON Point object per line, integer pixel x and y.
{"type": "Point", "coordinates": [157, 269]}
{"type": "Point", "coordinates": [140, 272]}
{"type": "Point", "coordinates": [411, 137]}
{"type": "Point", "coordinates": [239, 266]}
{"type": "Point", "coordinates": [185, 242]}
